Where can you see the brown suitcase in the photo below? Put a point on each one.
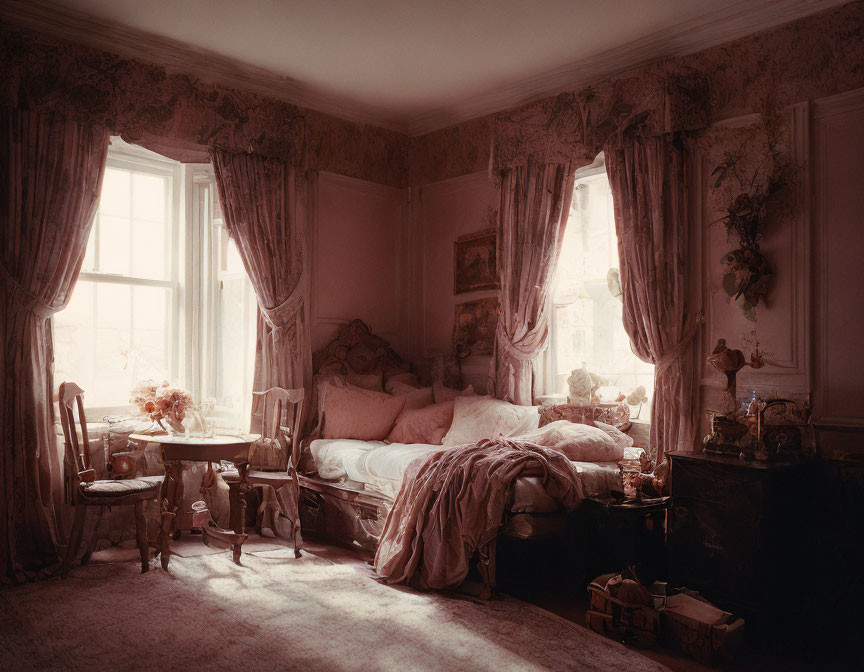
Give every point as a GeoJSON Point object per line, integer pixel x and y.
{"type": "Point", "coordinates": [620, 608]}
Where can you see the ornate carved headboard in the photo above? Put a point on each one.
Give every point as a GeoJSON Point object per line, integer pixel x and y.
{"type": "Point", "coordinates": [357, 350]}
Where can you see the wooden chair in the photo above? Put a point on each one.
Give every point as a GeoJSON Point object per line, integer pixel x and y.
{"type": "Point", "coordinates": [280, 453]}
{"type": "Point", "coordinates": [86, 491]}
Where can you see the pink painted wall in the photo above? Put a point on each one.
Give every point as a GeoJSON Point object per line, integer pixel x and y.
{"type": "Point", "coordinates": [360, 260]}
{"type": "Point", "coordinates": [444, 211]}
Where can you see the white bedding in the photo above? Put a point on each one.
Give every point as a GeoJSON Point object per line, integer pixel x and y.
{"type": "Point", "coordinates": [379, 467]}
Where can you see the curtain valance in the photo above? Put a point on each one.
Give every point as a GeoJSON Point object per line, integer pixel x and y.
{"type": "Point", "coordinates": [574, 126]}
{"type": "Point", "coordinates": [144, 103]}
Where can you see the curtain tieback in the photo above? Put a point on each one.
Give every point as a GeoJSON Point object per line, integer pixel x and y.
{"type": "Point", "coordinates": [666, 360]}
{"type": "Point", "coordinates": [25, 298]}
{"type": "Point", "coordinates": [521, 352]}
{"type": "Point", "coordinates": [279, 316]}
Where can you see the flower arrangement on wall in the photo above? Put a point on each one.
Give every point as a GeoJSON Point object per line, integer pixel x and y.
{"type": "Point", "coordinates": [752, 183]}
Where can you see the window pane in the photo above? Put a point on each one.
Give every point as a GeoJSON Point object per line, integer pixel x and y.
{"type": "Point", "coordinates": [114, 199]}
{"type": "Point", "coordinates": [90, 255]}
{"type": "Point", "coordinates": [233, 262]}
{"type": "Point", "coordinates": [148, 196]}
{"type": "Point", "coordinates": [73, 339]}
{"type": "Point", "coordinates": [150, 258]}
{"type": "Point", "coordinates": [235, 336]}
{"type": "Point", "coordinates": [152, 346]}
{"type": "Point", "coordinates": [588, 328]}
{"type": "Point", "coordinates": [110, 336]}
{"type": "Point", "coordinates": [113, 334]}
{"type": "Point", "coordinates": [113, 245]}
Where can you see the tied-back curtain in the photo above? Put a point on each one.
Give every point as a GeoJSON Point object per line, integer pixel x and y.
{"type": "Point", "coordinates": [265, 202]}
{"type": "Point", "coordinates": [50, 177]}
{"type": "Point", "coordinates": [648, 176]}
{"type": "Point", "coordinates": [535, 201]}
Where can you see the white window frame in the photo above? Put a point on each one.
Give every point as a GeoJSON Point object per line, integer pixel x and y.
{"type": "Point", "coordinates": [129, 157]}
{"type": "Point", "coordinates": [195, 232]}
{"type": "Point", "coordinates": [550, 359]}
{"type": "Point", "coordinates": [549, 363]}
{"type": "Point", "coordinates": [206, 236]}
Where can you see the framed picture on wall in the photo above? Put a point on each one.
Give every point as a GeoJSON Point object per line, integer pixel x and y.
{"type": "Point", "coordinates": [474, 264]}
{"type": "Point", "coordinates": [474, 327]}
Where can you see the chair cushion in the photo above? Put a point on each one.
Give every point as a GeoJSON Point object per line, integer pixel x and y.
{"type": "Point", "coordinates": [118, 488]}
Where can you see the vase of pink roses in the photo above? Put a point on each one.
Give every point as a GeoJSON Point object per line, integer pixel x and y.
{"type": "Point", "coordinates": [164, 403]}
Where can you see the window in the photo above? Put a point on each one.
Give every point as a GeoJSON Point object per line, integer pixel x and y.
{"type": "Point", "coordinates": [587, 325]}
{"type": "Point", "coordinates": [152, 299]}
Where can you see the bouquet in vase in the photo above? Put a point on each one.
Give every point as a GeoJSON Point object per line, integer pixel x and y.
{"type": "Point", "coordinates": [163, 402]}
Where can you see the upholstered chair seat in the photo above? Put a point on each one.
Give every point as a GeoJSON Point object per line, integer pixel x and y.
{"type": "Point", "coordinates": [118, 488]}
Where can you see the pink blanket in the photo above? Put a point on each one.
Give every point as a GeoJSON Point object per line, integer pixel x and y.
{"type": "Point", "coordinates": [454, 506]}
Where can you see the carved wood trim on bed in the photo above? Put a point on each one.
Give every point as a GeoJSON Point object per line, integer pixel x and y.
{"type": "Point", "coordinates": [356, 349]}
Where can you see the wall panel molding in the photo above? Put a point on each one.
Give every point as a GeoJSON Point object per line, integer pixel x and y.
{"type": "Point", "coordinates": [834, 119]}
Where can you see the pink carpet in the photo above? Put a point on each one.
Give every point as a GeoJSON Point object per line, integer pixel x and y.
{"type": "Point", "coordinates": [277, 613]}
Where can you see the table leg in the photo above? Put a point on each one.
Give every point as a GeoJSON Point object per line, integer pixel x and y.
{"type": "Point", "coordinates": [209, 528]}
{"type": "Point", "coordinates": [172, 496]}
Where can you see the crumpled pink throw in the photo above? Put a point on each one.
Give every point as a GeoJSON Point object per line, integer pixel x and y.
{"type": "Point", "coordinates": [452, 505]}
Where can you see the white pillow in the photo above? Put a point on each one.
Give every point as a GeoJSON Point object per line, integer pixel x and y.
{"type": "Point", "coordinates": [443, 393]}
{"type": "Point", "coordinates": [619, 437]}
{"type": "Point", "coordinates": [476, 418]}
{"type": "Point", "coordinates": [580, 443]}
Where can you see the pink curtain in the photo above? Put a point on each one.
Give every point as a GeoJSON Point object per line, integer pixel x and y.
{"type": "Point", "coordinates": [265, 202]}
{"type": "Point", "coordinates": [50, 177]}
{"type": "Point", "coordinates": [648, 175]}
{"type": "Point", "coordinates": [535, 200]}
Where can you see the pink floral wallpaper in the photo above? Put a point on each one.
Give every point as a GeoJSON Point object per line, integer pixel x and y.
{"type": "Point", "coordinates": [813, 57]}
{"type": "Point", "coordinates": [182, 116]}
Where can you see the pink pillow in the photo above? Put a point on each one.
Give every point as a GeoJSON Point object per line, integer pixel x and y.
{"type": "Point", "coordinates": [368, 381]}
{"type": "Point", "coordinates": [423, 425]}
{"type": "Point", "coordinates": [405, 378]}
{"type": "Point", "coordinates": [359, 414]}
{"type": "Point", "coordinates": [449, 394]}
{"type": "Point", "coordinates": [415, 397]}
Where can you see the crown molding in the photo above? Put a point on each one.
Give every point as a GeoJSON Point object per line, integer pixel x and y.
{"type": "Point", "coordinates": [730, 23]}
{"type": "Point", "coordinates": [738, 20]}
{"type": "Point", "coordinates": [210, 67]}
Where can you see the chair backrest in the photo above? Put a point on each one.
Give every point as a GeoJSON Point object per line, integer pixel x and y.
{"type": "Point", "coordinates": [277, 402]}
{"type": "Point", "coordinates": [78, 465]}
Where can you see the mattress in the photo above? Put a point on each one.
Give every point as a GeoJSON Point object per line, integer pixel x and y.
{"type": "Point", "coordinates": [378, 467]}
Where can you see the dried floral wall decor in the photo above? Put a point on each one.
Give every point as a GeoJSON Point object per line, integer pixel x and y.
{"type": "Point", "coordinates": [752, 184]}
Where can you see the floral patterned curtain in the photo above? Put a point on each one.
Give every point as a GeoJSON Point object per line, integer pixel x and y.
{"type": "Point", "coordinates": [50, 177]}
{"type": "Point", "coordinates": [266, 205]}
{"type": "Point", "coordinates": [535, 200]}
{"type": "Point", "coordinates": [648, 176]}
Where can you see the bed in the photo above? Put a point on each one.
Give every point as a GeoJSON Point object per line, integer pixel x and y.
{"type": "Point", "coordinates": [348, 485]}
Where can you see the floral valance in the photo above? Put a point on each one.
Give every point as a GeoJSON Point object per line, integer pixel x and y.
{"type": "Point", "coordinates": [142, 102]}
{"type": "Point", "coordinates": [574, 126]}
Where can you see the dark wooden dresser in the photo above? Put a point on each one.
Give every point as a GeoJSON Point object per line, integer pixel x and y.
{"type": "Point", "coordinates": [745, 534]}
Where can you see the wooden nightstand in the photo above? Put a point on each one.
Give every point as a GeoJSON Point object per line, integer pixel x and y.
{"type": "Point", "coordinates": [622, 532]}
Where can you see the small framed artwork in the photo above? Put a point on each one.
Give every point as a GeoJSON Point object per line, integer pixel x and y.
{"type": "Point", "coordinates": [475, 326]}
{"type": "Point", "coordinates": [475, 265]}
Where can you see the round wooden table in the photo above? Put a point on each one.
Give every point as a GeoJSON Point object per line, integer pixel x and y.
{"type": "Point", "coordinates": [177, 449]}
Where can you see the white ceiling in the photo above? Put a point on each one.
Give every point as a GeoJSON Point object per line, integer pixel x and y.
{"type": "Point", "coordinates": [415, 64]}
